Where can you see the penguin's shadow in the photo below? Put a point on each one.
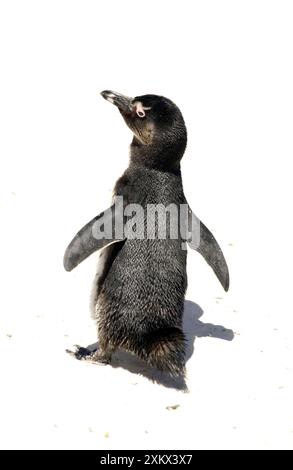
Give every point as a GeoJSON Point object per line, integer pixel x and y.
{"type": "Point", "coordinates": [193, 328]}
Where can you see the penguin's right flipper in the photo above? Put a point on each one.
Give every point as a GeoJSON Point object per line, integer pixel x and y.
{"type": "Point", "coordinates": [203, 241]}
{"type": "Point", "coordinates": [91, 238]}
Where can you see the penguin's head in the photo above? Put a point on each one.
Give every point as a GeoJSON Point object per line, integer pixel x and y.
{"type": "Point", "coordinates": [157, 124]}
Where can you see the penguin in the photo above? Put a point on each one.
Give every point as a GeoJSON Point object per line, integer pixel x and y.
{"type": "Point", "coordinates": [141, 278]}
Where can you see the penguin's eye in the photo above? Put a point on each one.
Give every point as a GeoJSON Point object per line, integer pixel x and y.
{"type": "Point", "coordinates": [140, 109]}
{"type": "Point", "coordinates": [140, 113]}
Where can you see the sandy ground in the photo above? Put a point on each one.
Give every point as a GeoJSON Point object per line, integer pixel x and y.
{"type": "Point", "coordinates": [239, 369]}
{"type": "Point", "coordinates": [63, 150]}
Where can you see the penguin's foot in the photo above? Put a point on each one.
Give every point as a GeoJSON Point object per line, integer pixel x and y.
{"type": "Point", "coordinates": [80, 352]}
{"type": "Point", "coordinates": [86, 354]}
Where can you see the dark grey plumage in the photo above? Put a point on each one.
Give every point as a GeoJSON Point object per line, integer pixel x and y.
{"type": "Point", "coordinates": [141, 285]}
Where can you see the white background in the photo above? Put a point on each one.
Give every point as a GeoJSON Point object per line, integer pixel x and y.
{"type": "Point", "coordinates": [228, 66]}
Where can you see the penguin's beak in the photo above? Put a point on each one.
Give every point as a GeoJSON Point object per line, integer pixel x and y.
{"type": "Point", "coordinates": [123, 103]}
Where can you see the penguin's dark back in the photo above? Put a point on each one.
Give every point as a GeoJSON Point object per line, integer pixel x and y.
{"type": "Point", "coordinates": [140, 185]}
{"type": "Point", "coordinates": [147, 280]}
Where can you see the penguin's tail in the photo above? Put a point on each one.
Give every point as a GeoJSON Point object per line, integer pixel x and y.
{"type": "Point", "coordinates": [166, 350]}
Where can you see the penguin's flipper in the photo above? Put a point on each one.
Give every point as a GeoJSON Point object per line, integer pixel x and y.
{"type": "Point", "coordinates": [91, 238]}
{"type": "Point", "coordinates": [203, 241]}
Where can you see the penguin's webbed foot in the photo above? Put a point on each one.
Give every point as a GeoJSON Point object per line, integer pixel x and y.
{"type": "Point", "coordinates": [80, 353]}
{"type": "Point", "coordinates": [86, 354]}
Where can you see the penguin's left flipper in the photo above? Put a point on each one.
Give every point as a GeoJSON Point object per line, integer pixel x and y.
{"type": "Point", "coordinates": [203, 241]}
{"type": "Point", "coordinates": [90, 239]}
